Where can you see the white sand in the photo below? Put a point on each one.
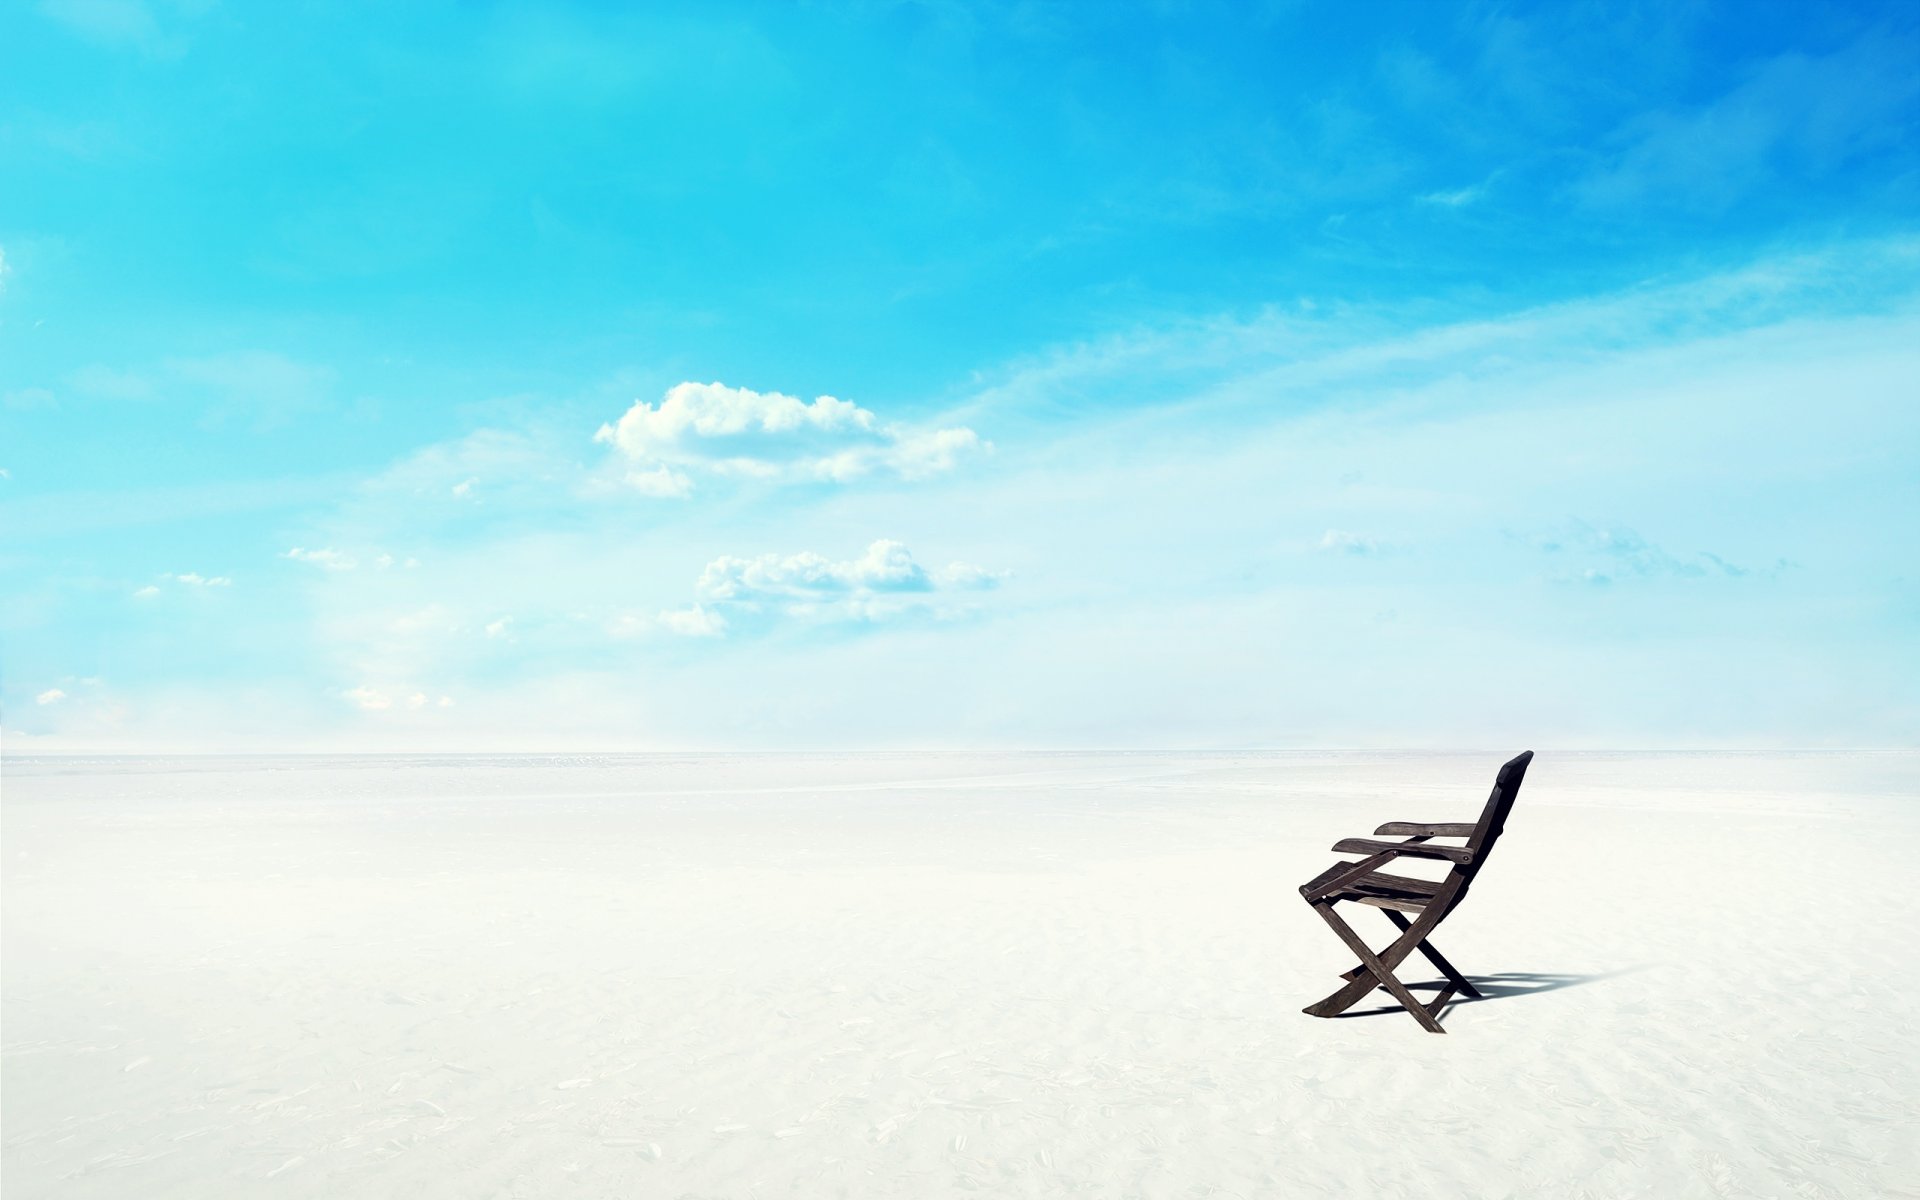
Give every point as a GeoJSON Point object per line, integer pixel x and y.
{"type": "Point", "coordinates": [922, 975]}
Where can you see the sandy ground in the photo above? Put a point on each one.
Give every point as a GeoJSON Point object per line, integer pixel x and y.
{"type": "Point", "coordinates": [927, 975]}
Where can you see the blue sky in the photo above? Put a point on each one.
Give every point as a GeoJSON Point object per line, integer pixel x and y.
{"type": "Point", "coordinates": [761, 376]}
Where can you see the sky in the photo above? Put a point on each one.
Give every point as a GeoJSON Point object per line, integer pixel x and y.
{"type": "Point", "coordinates": [572, 377]}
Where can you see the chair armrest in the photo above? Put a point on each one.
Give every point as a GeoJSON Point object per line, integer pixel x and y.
{"type": "Point", "coordinates": [1341, 874]}
{"type": "Point", "coordinates": [1457, 854]}
{"type": "Point", "coordinates": [1418, 829]}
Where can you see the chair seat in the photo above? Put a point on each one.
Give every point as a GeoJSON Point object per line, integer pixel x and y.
{"type": "Point", "coordinates": [1381, 890]}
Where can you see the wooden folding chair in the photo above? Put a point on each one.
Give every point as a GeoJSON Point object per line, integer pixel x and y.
{"type": "Point", "coordinates": [1427, 901]}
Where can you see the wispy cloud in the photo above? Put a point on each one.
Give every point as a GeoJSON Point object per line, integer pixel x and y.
{"type": "Point", "coordinates": [1603, 555]}
{"type": "Point", "coordinates": [261, 388]}
{"type": "Point", "coordinates": [508, 469]}
{"type": "Point", "coordinates": [251, 389]}
{"type": "Point", "coordinates": [1794, 114]}
{"type": "Point", "coordinates": [1285, 360]}
{"type": "Point", "coordinates": [325, 558]}
{"type": "Point", "coordinates": [375, 700]}
{"type": "Point", "coordinates": [692, 621]}
{"type": "Point", "coordinates": [111, 383]}
{"type": "Point", "coordinates": [1456, 197]}
{"type": "Point", "coordinates": [50, 696]}
{"type": "Point", "coordinates": [368, 699]}
{"type": "Point", "coordinates": [188, 579]}
{"type": "Point", "coordinates": [28, 399]}
{"type": "Point", "coordinates": [1343, 541]}
{"type": "Point", "coordinates": [716, 430]}
{"type": "Point", "coordinates": [695, 620]}
{"type": "Point", "coordinates": [116, 23]}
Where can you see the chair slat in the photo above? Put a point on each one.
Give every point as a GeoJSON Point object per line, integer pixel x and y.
{"type": "Point", "coordinates": [1458, 854]}
{"type": "Point", "coordinates": [1381, 881]}
{"type": "Point", "coordinates": [1397, 903]}
{"type": "Point", "coordinates": [1417, 829]}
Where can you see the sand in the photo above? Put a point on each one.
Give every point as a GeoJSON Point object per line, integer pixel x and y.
{"type": "Point", "coordinates": [929, 975]}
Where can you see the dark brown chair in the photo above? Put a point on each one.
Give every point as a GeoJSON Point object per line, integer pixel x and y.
{"type": "Point", "coordinates": [1427, 901]}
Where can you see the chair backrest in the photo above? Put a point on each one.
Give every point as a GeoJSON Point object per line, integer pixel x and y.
{"type": "Point", "coordinates": [1493, 818]}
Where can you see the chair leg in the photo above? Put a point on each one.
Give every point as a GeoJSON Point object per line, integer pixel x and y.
{"type": "Point", "coordinates": [1434, 956]}
{"type": "Point", "coordinates": [1379, 972]}
{"type": "Point", "coordinates": [1361, 979]}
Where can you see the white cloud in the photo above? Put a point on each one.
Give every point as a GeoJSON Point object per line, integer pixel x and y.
{"type": "Point", "coordinates": [327, 559]}
{"type": "Point", "coordinates": [662, 482]}
{"type": "Point", "coordinates": [498, 628]}
{"type": "Point", "coordinates": [50, 696]}
{"type": "Point", "coordinates": [368, 699]}
{"type": "Point", "coordinates": [886, 566]}
{"type": "Point", "coordinates": [968, 576]}
{"type": "Point", "coordinates": [632, 625]}
{"type": "Point", "coordinates": [693, 621]}
{"type": "Point", "coordinates": [464, 488]}
{"type": "Point", "coordinates": [883, 582]}
{"type": "Point", "coordinates": [192, 579]}
{"type": "Point", "coordinates": [727, 431]}
{"type": "Point", "coordinates": [716, 410]}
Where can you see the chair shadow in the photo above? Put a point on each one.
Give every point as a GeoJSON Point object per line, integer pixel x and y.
{"type": "Point", "coordinates": [1502, 986]}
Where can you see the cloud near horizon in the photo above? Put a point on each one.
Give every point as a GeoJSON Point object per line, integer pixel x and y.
{"type": "Point", "coordinates": [887, 566]}
{"type": "Point", "coordinates": [721, 431]}
{"type": "Point", "coordinates": [880, 584]}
